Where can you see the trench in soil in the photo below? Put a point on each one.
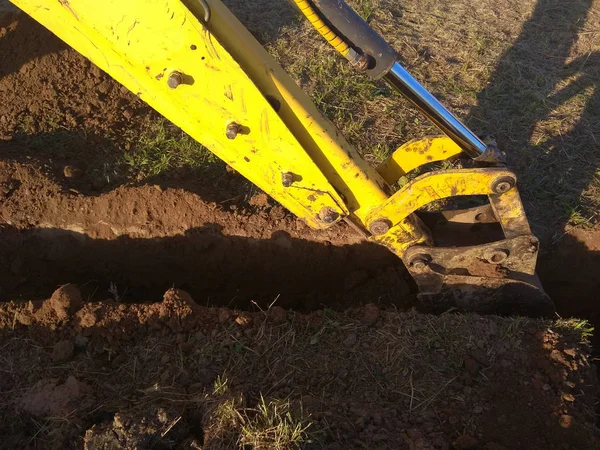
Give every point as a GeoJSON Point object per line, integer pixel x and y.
{"type": "Point", "coordinates": [153, 239]}
{"type": "Point", "coordinates": [238, 261]}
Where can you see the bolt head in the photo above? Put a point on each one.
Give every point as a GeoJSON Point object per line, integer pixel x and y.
{"type": "Point", "coordinates": [232, 130]}
{"type": "Point", "coordinates": [328, 215]}
{"type": "Point", "coordinates": [503, 184]}
{"type": "Point", "coordinates": [287, 179]}
{"type": "Point", "coordinates": [419, 262]}
{"type": "Point", "coordinates": [379, 227]}
{"type": "Point", "coordinates": [174, 79]}
{"type": "Point", "coordinates": [497, 256]}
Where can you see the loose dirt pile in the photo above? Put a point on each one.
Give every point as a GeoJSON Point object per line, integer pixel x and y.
{"type": "Point", "coordinates": [175, 374]}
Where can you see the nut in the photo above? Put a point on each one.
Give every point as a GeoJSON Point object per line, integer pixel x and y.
{"type": "Point", "coordinates": [419, 262]}
{"type": "Point", "coordinates": [379, 227]}
{"type": "Point", "coordinates": [232, 130]}
{"type": "Point", "coordinates": [497, 256]}
{"type": "Point", "coordinates": [328, 215]}
{"type": "Point", "coordinates": [287, 179]}
{"type": "Point", "coordinates": [174, 79]}
{"type": "Point", "coordinates": [503, 184]}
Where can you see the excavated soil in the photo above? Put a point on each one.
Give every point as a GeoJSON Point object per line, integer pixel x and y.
{"type": "Point", "coordinates": [168, 375]}
{"type": "Point", "coordinates": [82, 373]}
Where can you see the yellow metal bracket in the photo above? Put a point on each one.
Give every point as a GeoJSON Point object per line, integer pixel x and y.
{"type": "Point", "coordinates": [417, 153]}
{"type": "Point", "coordinates": [436, 186]}
{"type": "Point", "coordinates": [393, 223]}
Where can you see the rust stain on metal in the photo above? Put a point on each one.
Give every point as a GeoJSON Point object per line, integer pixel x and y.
{"type": "Point", "coordinates": [66, 5]}
{"type": "Point", "coordinates": [228, 92]}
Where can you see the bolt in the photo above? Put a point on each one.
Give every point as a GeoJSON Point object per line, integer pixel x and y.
{"type": "Point", "coordinates": [328, 215]}
{"type": "Point", "coordinates": [503, 184]}
{"type": "Point", "coordinates": [175, 79]}
{"type": "Point", "coordinates": [379, 227]}
{"type": "Point", "coordinates": [419, 262]}
{"type": "Point", "coordinates": [497, 256]}
{"type": "Point", "coordinates": [232, 130]}
{"type": "Point", "coordinates": [287, 178]}
{"type": "Point", "coordinates": [363, 62]}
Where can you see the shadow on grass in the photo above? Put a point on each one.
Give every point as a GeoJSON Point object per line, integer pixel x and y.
{"type": "Point", "coordinates": [543, 107]}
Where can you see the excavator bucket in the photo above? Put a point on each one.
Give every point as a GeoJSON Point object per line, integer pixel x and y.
{"type": "Point", "coordinates": [196, 64]}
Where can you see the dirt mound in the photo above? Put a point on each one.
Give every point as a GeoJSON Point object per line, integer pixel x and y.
{"type": "Point", "coordinates": [175, 374]}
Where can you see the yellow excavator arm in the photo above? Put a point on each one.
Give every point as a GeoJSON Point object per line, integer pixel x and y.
{"type": "Point", "coordinates": [198, 66]}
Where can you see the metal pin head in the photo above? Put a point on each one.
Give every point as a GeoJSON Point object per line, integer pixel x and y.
{"type": "Point", "coordinates": [174, 79]}
{"type": "Point", "coordinates": [232, 130]}
{"type": "Point", "coordinates": [287, 179]}
{"type": "Point", "coordinates": [379, 227]}
{"type": "Point", "coordinates": [503, 184]}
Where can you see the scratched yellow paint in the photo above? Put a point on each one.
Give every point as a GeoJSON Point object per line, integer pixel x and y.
{"type": "Point", "coordinates": [435, 186]}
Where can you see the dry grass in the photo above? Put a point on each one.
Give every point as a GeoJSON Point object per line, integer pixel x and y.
{"type": "Point", "coordinates": [310, 380]}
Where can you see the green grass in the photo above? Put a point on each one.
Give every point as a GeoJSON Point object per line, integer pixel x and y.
{"type": "Point", "coordinates": [162, 147]}
{"type": "Point", "coordinates": [581, 326]}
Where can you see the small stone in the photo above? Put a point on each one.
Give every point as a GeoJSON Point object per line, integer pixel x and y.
{"type": "Point", "coordinates": [546, 387]}
{"type": "Point", "coordinates": [565, 421]}
{"type": "Point", "coordinates": [478, 410]}
{"type": "Point", "coordinates": [63, 351]}
{"type": "Point", "coordinates": [277, 314]}
{"type": "Point", "coordinates": [351, 340]}
{"type": "Point", "coordinates": [243, 320]}
{"type": "Point", "coordinates": [371, 314]}
{"type": "Point", "coordinates": [224, 315]}
{"type": "Point", "coordinates": [568, 397]}
{"type": "Point", "coordinates": [465, 442]}
{"type": "Point", "coordinates": [165, 359]}
{"type": "Point", "coordinates": [71, 171]}
{"type": "Point", "coordinates": [66, 300]}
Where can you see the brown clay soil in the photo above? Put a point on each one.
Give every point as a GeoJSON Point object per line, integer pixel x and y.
{"type": "Point", "coordinates": [95, 367]}
{"type": "Point", "coordinates": [104, 375]}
